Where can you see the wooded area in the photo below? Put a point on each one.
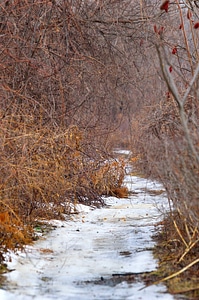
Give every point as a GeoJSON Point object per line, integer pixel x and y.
{"type": "Point", "coordinates": [81, 78]}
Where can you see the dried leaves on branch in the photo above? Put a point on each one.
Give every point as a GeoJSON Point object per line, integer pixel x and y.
{"type": "Point", "coordinates": [63, 85]}
{"type": "Point", "coordinates": [45, 172]}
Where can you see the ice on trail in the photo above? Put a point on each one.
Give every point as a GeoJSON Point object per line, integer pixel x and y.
{"type": "Point", "coordinates": [77, 259]}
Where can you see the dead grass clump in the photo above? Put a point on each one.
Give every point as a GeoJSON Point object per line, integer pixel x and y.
{"type": "Point", "coordinates": [108, 178]}
{"type": "Point", "coordinates": [13, 233]}
{"type": "Point", "coordinates": [44, 172]}
{"type": "Point", "coordinates": [120, 192]}
{"type": "Point", "coordinates": [177, 251]}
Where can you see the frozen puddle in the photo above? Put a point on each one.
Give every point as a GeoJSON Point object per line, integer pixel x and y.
{"type": "Point", "coordinates": [87, 257]}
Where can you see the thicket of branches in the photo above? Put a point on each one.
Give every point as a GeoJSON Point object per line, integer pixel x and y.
{"type": "Point", "coordinates": [75, 76]}
{"type": "Point", "coordinates": [65, 86]}
{"type": "Point", "coordinates": [171, 125]}
{"type": "Point", "coordinates": [166, 132]}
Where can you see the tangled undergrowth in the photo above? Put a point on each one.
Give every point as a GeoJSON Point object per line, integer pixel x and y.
{"type": "Point", "coordinates": [45, 172]}
{"type": "Point", "coordinates": [177, 252]}
{"type": "Point", "coordinates": [167, 158]}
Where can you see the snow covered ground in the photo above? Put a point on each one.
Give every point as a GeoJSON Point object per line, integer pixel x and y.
{"type": "Point", "coordinates": [79, 254]}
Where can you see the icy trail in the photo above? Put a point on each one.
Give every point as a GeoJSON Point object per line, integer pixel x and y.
{"type": "Point", "coordinates": [77, 259]}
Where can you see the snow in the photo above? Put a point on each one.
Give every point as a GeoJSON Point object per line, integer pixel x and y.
{"type": "Point", "coordinates": [66, 264]}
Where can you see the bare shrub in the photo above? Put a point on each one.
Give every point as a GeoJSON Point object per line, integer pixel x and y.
{"type": "Point", "coordinates": [66, 85]}
{"type": "Point", "coordinates": [45, 172]}
{"type": "Point", "coordinates": [73, 76]}
{"type": "Point", "coordinates": [166, 131]}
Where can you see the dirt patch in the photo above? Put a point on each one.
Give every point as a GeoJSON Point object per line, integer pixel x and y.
{"type": "Point", "coordinates": [125, 253]}
{"type": "Point", "coordinates": [152, 192]}
{"type": "Point", "coordinates": [114, 279]}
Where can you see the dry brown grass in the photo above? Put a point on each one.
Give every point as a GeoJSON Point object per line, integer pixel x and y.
{"type": "Point", "coordinates": [177, 252]}
{"type": "Point", "coordinates": [44, 171]}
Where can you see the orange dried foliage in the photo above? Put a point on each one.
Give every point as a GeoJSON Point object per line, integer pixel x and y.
{"type": "Point", "coordinates": [135, 158]}
{"type": "Point", "coordinates": [120, 192]}
{"type": "Point", "coordinates": [13, 234]}
{"type": "Point", "coordinates": [46, 251]}
{"type": "Point", "coordinates": [43, 170]}
{"type": "Point", "coordinates": [109, 177]}
{"type": "Point", "coordinates": [4, 218]}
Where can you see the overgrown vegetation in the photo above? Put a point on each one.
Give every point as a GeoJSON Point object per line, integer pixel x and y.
{"type": "Point", "coordinates": [44, 173]}
{"type": "Point", "coordinates": [58, 119]}
{"type": "Point", "coordinates": [169, 139]}
{"type": "Point", "coordinates": [79, 78]}
{"type": "Point", "coordinates": [177, 252]}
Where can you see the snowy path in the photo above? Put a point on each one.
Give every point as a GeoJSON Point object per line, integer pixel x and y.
{"type": "Point", "coordinates": [76, 258]}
